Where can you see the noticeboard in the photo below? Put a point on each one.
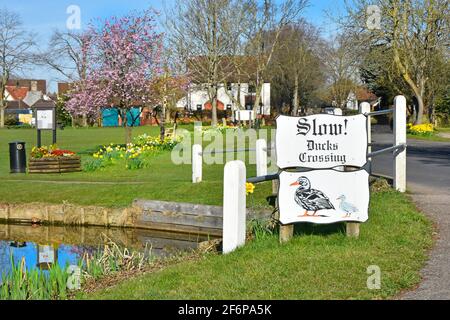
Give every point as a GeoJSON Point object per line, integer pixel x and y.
{"type": "Point", "coordinates": [45, 119]}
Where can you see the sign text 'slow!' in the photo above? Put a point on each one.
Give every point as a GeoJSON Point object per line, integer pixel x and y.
{"type": "Point", "coordinates": [321, 141]}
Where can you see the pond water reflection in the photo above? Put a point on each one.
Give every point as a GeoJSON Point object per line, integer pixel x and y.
{"type": "Point", "coordinates": [43, 245]}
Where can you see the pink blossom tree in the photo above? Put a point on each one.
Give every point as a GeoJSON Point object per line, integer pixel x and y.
{"type": "Point", "coordinates": [127, 55]}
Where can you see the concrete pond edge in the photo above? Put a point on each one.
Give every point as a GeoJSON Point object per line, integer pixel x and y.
{"type": "Point", "coordinates": [142, 214]}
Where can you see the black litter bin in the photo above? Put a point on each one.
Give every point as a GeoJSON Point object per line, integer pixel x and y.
{"type": "Point", "coordinates": [17, 157]}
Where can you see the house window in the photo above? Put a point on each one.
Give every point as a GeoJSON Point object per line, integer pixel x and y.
{"type": "Point", "coordinates": [228, 106]}
{"type": "Point", "coordinates": [228, 86]}
{"type": "Point", "coordinates": [199, 107]}
{"type": "Point", "coordinates": [251, 88]}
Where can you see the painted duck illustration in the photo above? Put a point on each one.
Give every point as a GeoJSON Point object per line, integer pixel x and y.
{"type": "Point", "coordinates": [347, 207]}
{"type": "Point", "coordinates": [311, 200]}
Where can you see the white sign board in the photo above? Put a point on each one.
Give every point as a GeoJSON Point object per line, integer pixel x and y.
{"type": "Point", "coordinates": [46, 254]}
{"type": "Point", "coordinates": [323, 196]}
{"type": "Point", "coordinates": [44, 119]}
{"type": "Point", "coordinates": [321, 141]}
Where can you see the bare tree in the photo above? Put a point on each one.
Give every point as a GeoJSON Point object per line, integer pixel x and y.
{"type": "Point", "coordinates": [268, 18]}
{"type": "Point", "coordinates": [204, 34]}
{"type": "Point", "coordinates": [68, 54]}
{"type": "Point", "coordinates": [412, 31]}
{"type": "Point", "coordinates": [16, 46]}
{"type": "Point", "coordinates": [342, 69]}
{"type": "Point", "coordinates": [296, 64]}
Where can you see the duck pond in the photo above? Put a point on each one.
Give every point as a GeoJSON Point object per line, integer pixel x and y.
{"type": "Point", "coordinates": [42, 246]}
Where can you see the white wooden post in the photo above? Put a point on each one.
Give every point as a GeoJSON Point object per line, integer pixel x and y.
{"type": "Point", "coordinates": [400, 138]}
{"type": "Point", "coordinates": [364, 107]}
{"type": "Point", "coordinates": [261, 157]}
{"type": "Point", "coordinates": [197, 162]}
{"type": "Point", "coordinates": [338, 112]}
{"type": "Point", "coordinates": [234, 206]}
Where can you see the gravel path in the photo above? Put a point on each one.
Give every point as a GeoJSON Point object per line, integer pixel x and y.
{"type": "Point", "coordinates": [436, 274]}
{"type": "Point", "coordinates": [445, 135]}
{"type": "Point", "coordinates": [428, 180]}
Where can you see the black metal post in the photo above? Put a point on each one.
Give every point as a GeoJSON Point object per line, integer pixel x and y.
{"type": "Point", "coordinates": [54, 136]}
{"type": "Point", "coordinates": [39, 140]}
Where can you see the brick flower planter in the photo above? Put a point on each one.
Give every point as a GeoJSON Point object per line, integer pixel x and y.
{"type": "Point", "coordinates": [55, 165]}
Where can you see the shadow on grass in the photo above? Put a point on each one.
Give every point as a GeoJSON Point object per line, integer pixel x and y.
{"type": "Point", "coordinates": [318, 229]}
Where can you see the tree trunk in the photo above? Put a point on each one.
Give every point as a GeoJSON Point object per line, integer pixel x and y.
{"type": "Point", "coordinates": [295, 99]}
{"type": "Point", "coordinates": [167, 112]}
{"type": "Point", "coordinates": [128, 134]}
{"type": "Point", "coordinates": [257, 98]}
{"type": "Point", "coordinates": [85, 124]}
{"type": "Point", "coordinates": [128, 129]}
{"type": "Point", "coordinates": [162, 124]}
{"type": "Point", "coordinates": [2, 117]}
{"type": "Point", "coordinates": [212, 92]}
{"type": "Point", "coordinates": [420, 109]}
{"type": "Point", "coordinates": [214, 112]}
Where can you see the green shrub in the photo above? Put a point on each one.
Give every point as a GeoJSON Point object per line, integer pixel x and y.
{"type": "Point", "coordinates": [11, 121]}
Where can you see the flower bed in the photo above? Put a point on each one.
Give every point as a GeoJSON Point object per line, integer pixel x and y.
{"type": "Point", "coordinates": [53, 160]}
{"type": "Point", "coordinates": [219, 129]}
{"type": "Point", "coordinates": [135, 155]}
{"type": "Point", "coordinates": [421, 129]}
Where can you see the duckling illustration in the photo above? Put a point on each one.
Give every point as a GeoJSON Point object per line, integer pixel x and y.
{"type": "Point", "coordinates": [347, 207]}
{"type": "Point", "coordinates": [311, 200]}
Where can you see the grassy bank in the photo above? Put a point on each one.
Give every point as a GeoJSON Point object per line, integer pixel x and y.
{"type": "Point", "coordinates": [319, 263]}
{"type": "Point", "coordinates": [162, 180]}
{"type": "Point", "coordinates": [434, 138]}
{"type": "Point", "coordinates": [440, 135]}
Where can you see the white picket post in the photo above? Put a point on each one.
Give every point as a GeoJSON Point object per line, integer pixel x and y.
{"type": "Point", "coordinates": [197, 162]}
{"type": "Point", "coordinates": [400, 138]}
{"type": "Point", "coordinates": [364, 107]}
{"type": "Point", "coordinates": [261, 157]}
{"type": "Point", "coordinates": [234, 206]}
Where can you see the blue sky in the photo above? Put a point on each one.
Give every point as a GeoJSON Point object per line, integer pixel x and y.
{"type": "Point", "coordinates": [44, 16]}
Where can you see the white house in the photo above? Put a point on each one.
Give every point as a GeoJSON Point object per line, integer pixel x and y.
{"type": "Point", "coordinates": [231, 97]}
{"type": "Point", "coordinates": [360, 94]}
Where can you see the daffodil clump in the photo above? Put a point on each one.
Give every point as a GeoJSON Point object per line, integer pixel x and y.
{"type": "Point", "coordinates": [134, 155]}
{"type": "Point", "coordinates": [217, 129]}
{"type": "Point", "coordinates": [426, 129]}
{"type": "Point", "coordinates": [249, 188]}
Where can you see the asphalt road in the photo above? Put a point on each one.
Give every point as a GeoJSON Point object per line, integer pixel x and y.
{"type": "Point", "coordinates": [428, 181]}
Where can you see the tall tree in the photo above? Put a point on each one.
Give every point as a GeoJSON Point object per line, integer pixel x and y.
{"type": "Point", "coordinates": [168, 90]}
{"type": "Point", "coordinates": [413, 31]}
{"type": "Point", "coordinates": [127, 53]}
{"type": "Point", "coordinates": [297, 66]}
{"type": "Point", "coordinates": [342, 68]}
{"type": "Point", "coordinates": [269, 18]}
{"type": "Point", "coordinates": [16, 52]}
{"type": "Point", "coordinates": [69, 54]}
{"type": "Point", "coordinates": [204, 34]}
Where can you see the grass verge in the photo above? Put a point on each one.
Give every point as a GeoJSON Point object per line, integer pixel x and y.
{"type": "Point", "coordinates": [434, 138]}
{"type": "Point", "coordinates": [319, 263]}
{"type": "Point", "coordinates": [162, 180]}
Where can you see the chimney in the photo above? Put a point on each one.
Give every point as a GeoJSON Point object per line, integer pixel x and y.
{"type": "Point", "coordinates": [33, 85]}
